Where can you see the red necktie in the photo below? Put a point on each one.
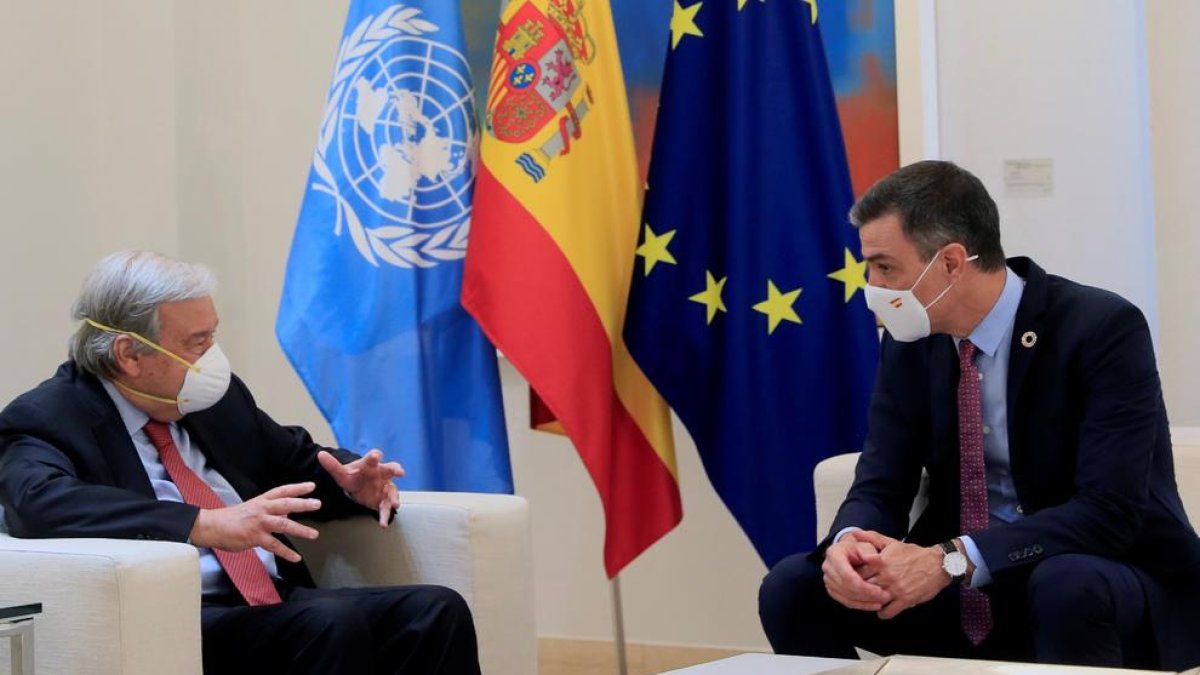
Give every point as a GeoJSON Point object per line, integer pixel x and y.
{"type": "Point", "coordinates": [973, 515]}
{"type": "Point", "coordinates": [244, 568]}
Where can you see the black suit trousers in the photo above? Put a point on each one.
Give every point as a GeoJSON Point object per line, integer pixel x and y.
{"type": "Point", "coordinates": [414, 630]}
{"type": "Point", "coordinates": [1074, 609]}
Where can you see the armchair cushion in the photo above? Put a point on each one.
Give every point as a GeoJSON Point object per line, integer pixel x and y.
{"type": "Point", "coordinates": [477, 544]}
{"type": "Point", "coordinates": [108, 606]}
{"type": "Point", "coordinates": [119, 607]}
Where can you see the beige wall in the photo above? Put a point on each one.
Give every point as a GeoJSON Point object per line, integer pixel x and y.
{"type": "Point", "coordinates": [187, 127]}
{"type": "Point", "coordinates": [87, 160]}
{"type": "Point", "coordinates": [1174, 65]}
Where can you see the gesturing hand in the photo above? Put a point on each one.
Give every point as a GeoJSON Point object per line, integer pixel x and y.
{"type": "Point", "coordinates": [367, 480]}
{"type": "Point", "coordinates": [252, 523]}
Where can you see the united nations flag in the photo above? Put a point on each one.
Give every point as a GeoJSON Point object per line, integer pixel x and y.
{"type": "Point", "coordinates": [741, 308]}
{"type": "Point", "coordinates": [370, 315]}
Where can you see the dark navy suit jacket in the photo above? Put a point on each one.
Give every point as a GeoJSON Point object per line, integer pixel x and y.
{"type": "Point", "coordinates": [1089, 448]}
{"type": "Point", "coordinates": [68, 467]}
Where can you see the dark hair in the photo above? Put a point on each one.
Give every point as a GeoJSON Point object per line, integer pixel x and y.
{"type": "Point", "coordinates": [938, 203]}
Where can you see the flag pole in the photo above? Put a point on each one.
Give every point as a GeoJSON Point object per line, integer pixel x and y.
{"type": "Point", "coordinates": [619, 626]}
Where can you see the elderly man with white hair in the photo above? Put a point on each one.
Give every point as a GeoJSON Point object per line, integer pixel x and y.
{"type": "Point", "coordinates": [145, 434]}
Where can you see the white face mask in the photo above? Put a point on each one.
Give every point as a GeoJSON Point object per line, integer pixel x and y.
{"type": "Point", "coordinates": [205, 382]}
{"type": "Point", "coordinates": [904, 317]}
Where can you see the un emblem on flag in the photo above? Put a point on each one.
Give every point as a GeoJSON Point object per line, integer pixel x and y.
{"type": "Point", "coordinates": [397, 142]}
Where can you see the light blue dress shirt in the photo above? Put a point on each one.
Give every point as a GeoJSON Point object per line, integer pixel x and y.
{"type": "Point", "coordinates": [213, 579]}
{"type": "Point", "coordinates": [993, 341]}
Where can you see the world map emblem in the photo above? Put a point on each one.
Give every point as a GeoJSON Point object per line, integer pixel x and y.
{"type": "Point", "coordinates": [397, 146]}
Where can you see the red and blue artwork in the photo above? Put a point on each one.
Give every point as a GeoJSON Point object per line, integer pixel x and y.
{"type": "Point", "coordinates": [860, 44]}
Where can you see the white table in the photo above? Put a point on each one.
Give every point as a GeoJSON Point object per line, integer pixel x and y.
{"type": "Point", "coordinates": [770, 664]}
{"type": "Point", "coordinates": [765, 664]}
{"type": "Point", "coordinates": [16, 624]}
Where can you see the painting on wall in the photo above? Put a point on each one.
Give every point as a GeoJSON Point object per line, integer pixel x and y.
{"type": "Point", "coordinates": [860, 43]}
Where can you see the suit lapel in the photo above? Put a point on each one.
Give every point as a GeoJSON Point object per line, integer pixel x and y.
{"type": "Point", "coordinates": [111, 436]}
{"type": "Point", "coordinates": [943, 381]}
{"type": "Point", "coordinates": [218, 456]}
{"type": "Point", "coordinates": [1028, 336]}
{"type": "Point", "coordinates": [1027, 332]}
{"type": "Point", "coordinates": [122, 456]}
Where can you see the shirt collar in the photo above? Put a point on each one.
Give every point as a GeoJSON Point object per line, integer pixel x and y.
{"type": "Point", "coordinates": [988, 335]}
{"type": "Point", "coordinates": [133, 418]}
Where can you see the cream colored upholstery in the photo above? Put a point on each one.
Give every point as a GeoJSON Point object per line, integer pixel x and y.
{"type": "Point", "coordinates": [477, 544]}
{"type": "Point", "coordinates": [133, 608]}
{"type": "Point", "coordinates": [832, 479]}
{"type": "Point", "coordinates": [108, 605]}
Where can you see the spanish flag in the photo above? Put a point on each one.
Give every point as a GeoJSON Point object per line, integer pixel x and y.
{"type": "Point", "coordinates": [552, 249]}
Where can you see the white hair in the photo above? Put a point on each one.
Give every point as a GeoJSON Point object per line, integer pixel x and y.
{"type": "Point", "coordinates": [123, 292]}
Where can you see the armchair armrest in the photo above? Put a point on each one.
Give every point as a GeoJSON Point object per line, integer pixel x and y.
{"type": "Point", "coordinates": [476, 544]}
{"type": "Point", "coordinates": [832, 479]}
{"type": "Point", "coordinates": [109, 606]}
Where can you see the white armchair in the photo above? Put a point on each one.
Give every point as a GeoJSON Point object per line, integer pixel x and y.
{"type": "Point", "coordinates": [116, 607]}
{"type": "Point", "coordinates": [832, 479]}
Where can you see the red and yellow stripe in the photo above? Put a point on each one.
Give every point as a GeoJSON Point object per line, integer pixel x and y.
{"type": "Point", "coordinates": [547, 277]}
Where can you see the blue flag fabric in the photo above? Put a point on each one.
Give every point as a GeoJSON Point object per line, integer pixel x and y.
{"type": "Point", "coordinates": [370, 315]}
{"type": "Point", "coordinates": [740, 311]}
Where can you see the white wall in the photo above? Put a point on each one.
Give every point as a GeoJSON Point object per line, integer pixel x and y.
{"type": "Point", "coordinates": [1174, 59]}
{"type": "Point", "coordinates": [187, 127]}
{"type": "Point", "coordinates": [1064, 80]}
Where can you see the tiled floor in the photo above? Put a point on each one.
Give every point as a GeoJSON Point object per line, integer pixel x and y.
{"type": "Point", "coordinates": [593, 657]}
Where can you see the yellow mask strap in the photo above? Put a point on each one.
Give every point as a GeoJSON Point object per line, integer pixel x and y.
{"type": "Point", "coordinates": [149, 343]}
{"type": "Point", "coordinates": [142, 394]}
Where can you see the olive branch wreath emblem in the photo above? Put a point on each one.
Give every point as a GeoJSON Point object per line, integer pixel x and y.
{"type": "Point", "coordinates": [398, 245]}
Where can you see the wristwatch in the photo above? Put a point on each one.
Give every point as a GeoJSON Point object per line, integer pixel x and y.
{"type": "Point", "coordinates": [954, 562]}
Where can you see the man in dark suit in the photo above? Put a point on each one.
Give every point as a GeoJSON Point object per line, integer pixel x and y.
{"type": "Point", "coordinates": [1054, 529]}
{"type": "Point", "coordinates": [145, 434]}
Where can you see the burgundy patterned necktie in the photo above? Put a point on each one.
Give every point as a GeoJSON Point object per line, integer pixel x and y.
{"type": "Point", "coordinates": [245, 569]}
{"type": "Point", "coordinates": [973, 515]}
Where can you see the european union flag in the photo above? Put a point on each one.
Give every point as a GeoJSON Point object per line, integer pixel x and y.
{"type": "Point", "coordinates": [370, 315]}
{"type": "Point", "coordinates": [740, 311]}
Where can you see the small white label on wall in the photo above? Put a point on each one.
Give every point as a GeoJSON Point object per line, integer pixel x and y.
{"type": "Point", "coordinates": [1029, 177]}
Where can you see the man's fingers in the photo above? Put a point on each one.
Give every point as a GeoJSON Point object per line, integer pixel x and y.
{"type": "Point", "coordinates": [868, 572]}
{"type": "Point", "coordinates": [393, 468]}
{"type": "Point", "coordinates": [291, 528]}
{"type": "Point", "coordinates": [286, 505]}
{"type": "Point", "coordinates": [892, 609]}
{"type": "Point", "coordinates": [873, 538]}
{"type": "Point", "coordinates": [847, 601]}
{"type": "Point", "coordinates": [330, 463]}
{"type": "Point", "coordinates": [290, 490]}
{"type": "Point", "coordinates": [277, 547]}
{"type": "Point", "coordinates": [854, 586]}
{"type": "Point", "coordinates": [391, 500]}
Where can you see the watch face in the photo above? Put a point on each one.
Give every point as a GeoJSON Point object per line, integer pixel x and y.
{"type": "Point", "coordinates": [955, 564]}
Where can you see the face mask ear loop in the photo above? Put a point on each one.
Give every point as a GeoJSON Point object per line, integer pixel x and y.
{"type": "Point", "coordinates": [146, 341]}
{"type": "Point", "coordinates": [925, 271]}
{"type": "Point", "coordinates": [943, 293]}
